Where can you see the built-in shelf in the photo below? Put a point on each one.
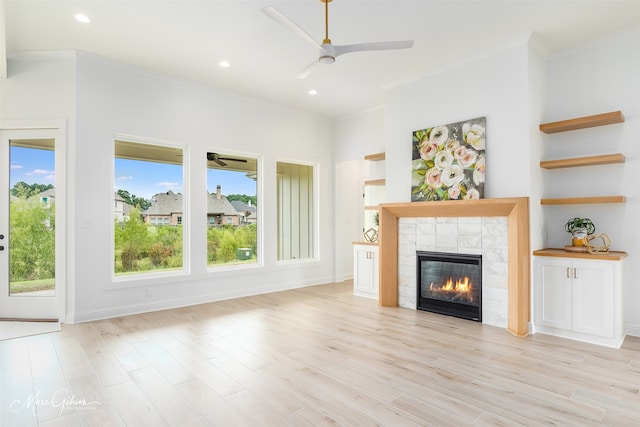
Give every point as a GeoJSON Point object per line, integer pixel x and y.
{"type": "Point", "coordinates": [561, 253]}
{"type": "Point", "coordinates": [375, 182]}
{"type": "Point", "coordinates": [375, 157]}
{"type": "Point", "coordinates": [583, 122]}
{"type": "Point", "coordinates": [583, 200]}
{"type": "Point", "coordinates": [372, 208]}
{"type": "Point", "coordinates": [583, 161]}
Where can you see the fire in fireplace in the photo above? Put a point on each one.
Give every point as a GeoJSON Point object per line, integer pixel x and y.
{"type": "Point", "coordinates": [450, 283]}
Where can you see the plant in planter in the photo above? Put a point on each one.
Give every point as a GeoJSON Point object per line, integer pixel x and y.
{"type": "Point", "coordinates": [580, 228]}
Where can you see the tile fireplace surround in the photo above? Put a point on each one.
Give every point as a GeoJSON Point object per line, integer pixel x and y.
{"type": "Point", "coordinates": [516, 211]}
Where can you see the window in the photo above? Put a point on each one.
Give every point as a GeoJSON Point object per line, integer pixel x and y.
{"type": "Point", "coordinates": [31, 247]}
{"type": "Point", "coordinates": [295, 211]}
{"type": "Point", "coordinates": [231, 196]}
{"type": "Point", "coordinates": [148, 177]}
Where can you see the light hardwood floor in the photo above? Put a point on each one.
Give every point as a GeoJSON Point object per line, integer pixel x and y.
{"type": "Point", "coordinates": [313, 356]}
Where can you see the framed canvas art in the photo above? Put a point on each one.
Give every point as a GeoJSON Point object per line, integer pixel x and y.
{"type": "Point", "coordinates": [448, 161]}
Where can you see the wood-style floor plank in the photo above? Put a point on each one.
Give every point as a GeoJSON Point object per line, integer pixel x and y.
{"type": "Point", "coordinates": [315, 356]}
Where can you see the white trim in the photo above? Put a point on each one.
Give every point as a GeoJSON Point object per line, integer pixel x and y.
{"type": "Point", "coordinates": [126, 310]}
{"type": "Point", "coordinates": [142, 279]}
{"type": "Point", "coordinates": [632, 329]}
{"type": "Point", "coordinates": [58, 128]}
{"type": "Point", "coordinates": [315, 167]}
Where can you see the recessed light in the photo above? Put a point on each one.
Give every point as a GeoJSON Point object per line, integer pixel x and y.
{"type": "Point", "coordinates": [313, 92]}
{"type": "Point", "coordinates": [81, 17]}
{"type": "Point", "coordinates": [224, 64]}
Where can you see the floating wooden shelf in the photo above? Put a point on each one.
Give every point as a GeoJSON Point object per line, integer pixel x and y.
{"type": "Point", "coordinates": [375, 182]}
{"type": "Point", "coordinates": [583, 200]}
{"type": "Point", "coordinates": [372, 208]}
{"type": "Point", "coordinates": [561, 253]}
{"type": "Point", "coordinates": [583, 161]}
{"type": "Point", "coordinates": [583, 122]}
{"type": "Point", "coordinates": [375, 157]}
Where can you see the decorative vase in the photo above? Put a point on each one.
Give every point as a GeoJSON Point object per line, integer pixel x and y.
{"type": "Point", "coordinates": [578, 241]}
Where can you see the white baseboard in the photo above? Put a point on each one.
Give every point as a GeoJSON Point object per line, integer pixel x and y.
{"type": "Point", "coordinates": [633, 330]}
{"type": "Point", "coordinates": [127, 310]}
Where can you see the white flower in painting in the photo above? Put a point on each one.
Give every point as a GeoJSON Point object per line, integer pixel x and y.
{"type": "Point", "coordinates": [452, 145]}
{"type": "Point", "coordinates": [439, 135]}
{"type": "Point", "coordinates": [454, 192]}
{"type": "Point", "coordinates": [472, 194]}
{"type": "Point", "coordinates": [452, 175]}
{"type": "Point", "coordinates": [478, 172]}
{"type": "Point", "coordinates": [474, 135]}
{"type": "Point", "coordinates": [432, 179]}
{"type": "Point", "coordinates": [459, 152]}
{"type": "Point", "coordinates": [427, 150]}
{"type": "Point", "coordinates": [468, 158]}
{"type": "Point", "coordinates": [443, 159]}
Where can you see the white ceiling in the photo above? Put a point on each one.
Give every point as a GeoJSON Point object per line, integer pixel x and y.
{"type": "Point", "coordinates": [188, 39]}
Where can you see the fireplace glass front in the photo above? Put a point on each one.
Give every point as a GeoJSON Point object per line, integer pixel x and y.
{"type": "Point", "coordinates": [450, 283]}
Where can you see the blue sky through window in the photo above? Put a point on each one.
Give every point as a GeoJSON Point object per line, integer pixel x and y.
{"type": "Point", "coordinates": [143, 179]}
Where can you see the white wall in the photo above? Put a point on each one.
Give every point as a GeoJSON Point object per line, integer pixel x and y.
{"type": "Point", "coordinates": [590, 80]}
{"type": "Point", "coordinates": [113, 98]}
{"type": "Point", "coordinates": [353, 138]}
{"type": "Point", "coordinates": [495, 87]}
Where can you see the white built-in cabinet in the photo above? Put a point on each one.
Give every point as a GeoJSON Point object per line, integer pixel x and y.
{"type": "Point", "coordinates": [365, 270]}
{"type": "Point", "coordinates": [579, 296]}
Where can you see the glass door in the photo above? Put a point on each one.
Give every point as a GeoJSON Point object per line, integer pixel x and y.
{"type": "Point", "coordinates": [28, 225]}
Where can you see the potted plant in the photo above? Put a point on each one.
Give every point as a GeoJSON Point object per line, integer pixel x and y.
{"type": "Point", "coordinates": [580, 228]}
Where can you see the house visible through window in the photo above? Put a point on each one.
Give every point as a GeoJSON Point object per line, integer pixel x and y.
{"type": "Point", "coordinates": [232, 231]}
{"type": "Point", "coordinates": [148, 233]}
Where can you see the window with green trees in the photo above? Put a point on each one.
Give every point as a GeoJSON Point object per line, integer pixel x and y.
{"type": "Point", "coordinates": [232, 229]}
{"type": "Point", "coordinates": [32, 217]}
{"type": "Point", "coordinates": [149, 208]}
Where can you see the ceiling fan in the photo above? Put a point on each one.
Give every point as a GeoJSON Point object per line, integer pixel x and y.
{"type": "Point", "coordinates": [215, 157]}
{"type": "Point", "coordinates": [328, 51]}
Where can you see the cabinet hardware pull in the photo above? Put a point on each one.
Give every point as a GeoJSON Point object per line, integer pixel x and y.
{"type": "Point", "coordinates": [568, 276]}
{"type": "Point", "coordinates": [575, 273]}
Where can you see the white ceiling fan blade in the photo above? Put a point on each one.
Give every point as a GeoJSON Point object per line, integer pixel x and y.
{"type": "Point", "coordinates": [307, 70]}
{"type": "Point", "coordinates": [288, 23]}
{"type": "Point", "coordinates": [361, 47]}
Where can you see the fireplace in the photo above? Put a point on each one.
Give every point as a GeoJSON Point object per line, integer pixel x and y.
{"type": "Point", "coordinates": [450, 283]}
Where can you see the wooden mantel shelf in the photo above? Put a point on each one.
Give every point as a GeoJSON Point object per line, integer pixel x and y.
{"type": "Point", "coordinates": [517, 212]}
{"type": "Point", "coordinates": [583, 122]}
{"type": "Point", "coordinates": [605, 159]}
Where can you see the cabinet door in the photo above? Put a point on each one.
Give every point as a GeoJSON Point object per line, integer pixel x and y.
{"type": "Point", "coordinates": [374, 271]}
{"type": "Point", "coordinates": [365, 271]}
{"type": "Point", "coordinates": [362, 278]}
{"type": "Point", "coordinates": [593, 305]}
{"type": "Point", "coordinates": [553, 303]}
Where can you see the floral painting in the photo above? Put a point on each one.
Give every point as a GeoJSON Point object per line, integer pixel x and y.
{"type": "Point", "coordinates": [449, 161]}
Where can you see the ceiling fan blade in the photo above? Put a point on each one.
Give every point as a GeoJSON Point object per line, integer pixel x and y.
{"type": "Point", "coordinates": [288, 23]}
{"type": "Point", "coordinates": [307, 70]}
{"type": "Point", "coordinates": [233, 160]}
{"type": "Point", "coordinates": [362, 47]}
